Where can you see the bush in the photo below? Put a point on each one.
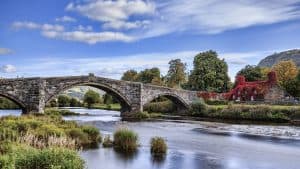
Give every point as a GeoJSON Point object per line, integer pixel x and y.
{"type": "Point", "coordinates": [107, 142]}
{"type": "Point", "coordinates": [25, 157]}
{"type": "Point", "coordinates": [198, 108]}
{"type": "Point", "coordinates": [161, 107]}
{"type": "Point", "coordinates": [125, 140]}
{"type": "Point", "coordinates": [158, 146]}
{"type": "Point", "coordinates": [93, 134]}
{"type": "Point", "coordinates": [79, 136]}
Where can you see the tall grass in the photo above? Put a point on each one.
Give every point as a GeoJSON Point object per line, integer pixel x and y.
{"type": "Point", "coordinates": [158, 146]}
{"type": "Point", "coordinates": [125, 140]}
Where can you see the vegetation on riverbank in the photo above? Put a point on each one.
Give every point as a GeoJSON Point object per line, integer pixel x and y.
{"type": "Point", "coordinates": [261, 112]}
{"type": "Point", "coordinates": [44, 141]}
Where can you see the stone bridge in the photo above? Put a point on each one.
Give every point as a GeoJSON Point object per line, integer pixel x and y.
{"type": "Point", "coordinates": [32, 94]}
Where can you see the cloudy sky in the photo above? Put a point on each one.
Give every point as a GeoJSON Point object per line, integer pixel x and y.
{"type": "Point", "coordinates": [107, 37]}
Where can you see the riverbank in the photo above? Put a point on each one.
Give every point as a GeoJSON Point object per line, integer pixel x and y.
{"type": "Point", "coordinates": [44, 141]}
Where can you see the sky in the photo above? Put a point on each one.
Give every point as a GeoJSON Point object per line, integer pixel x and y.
{"type": "Point", "coordinates": [108, 37]}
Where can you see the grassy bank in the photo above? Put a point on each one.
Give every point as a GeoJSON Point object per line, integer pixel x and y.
{"type": "Point", "coordinates": [115, 107]}
{"type": "Point", "coordinates": [44, 141]}
{"type": "Point", "coordinates": [270, 113]}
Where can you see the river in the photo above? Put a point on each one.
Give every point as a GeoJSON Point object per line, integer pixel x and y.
{"type": "Point", "coordinates": [194, 145]}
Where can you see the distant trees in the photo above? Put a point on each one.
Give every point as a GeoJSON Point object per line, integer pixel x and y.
{"type": "Point", "coordinates": [209, 73]}
{"type": "Point", "coordinates": [251, 73]}
{"type": "Point", "coordinates": [91, 97]}
{"type": "Point", "coordinates": [7, 104]}
{"type": "Point", "coordinates": [65, 101]}
{"type": "Point", "coordinates": [176, 74]}
{"type": "Point", "coordinates": [151, 76]}
{"type": "Point", "coordinates": [130, 75]}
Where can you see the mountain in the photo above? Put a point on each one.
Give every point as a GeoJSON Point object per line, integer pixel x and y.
{"type": "Point", "coordinates": [269, 61]}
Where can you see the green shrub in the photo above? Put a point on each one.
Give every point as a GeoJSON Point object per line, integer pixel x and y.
{"type": "Point", "coordinates": [25, 157]}
{"type": "Point", "coordinates": [198, 108]}
{"type": "Point", "coordinates": [161, 107]}
{"type": "Point", "coordinates": [125, 140]}
{"type": "Point", "coordinates": [93, 134]}
{"type": "Point", "coordinates": [79, 136]}
{"type": "Point", "coordinates": [107, 142]}
{"type": "Point", "coordinates": [158, 146]}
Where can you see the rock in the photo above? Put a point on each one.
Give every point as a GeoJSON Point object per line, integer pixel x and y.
{"type": "Point", "coordinates": [269, 61]}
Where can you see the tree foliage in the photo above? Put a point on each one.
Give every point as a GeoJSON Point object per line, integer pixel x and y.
{"type": "Point", "coordinates": [91, 97]}
{"type": "Point", "coordinates": [63, 100]}
{"type": "Point", "coordinates": [176, 73]}
{"type": "Point", "coordinates": [130, 75]}
{"type": "Point", "coordinates": [286, 73]}
{"type": "Point", "coordinates": [251, 73]}
{"type": "Point", "coordinates": [209, 73]}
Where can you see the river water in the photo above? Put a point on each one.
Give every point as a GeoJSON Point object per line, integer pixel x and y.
{"type": "Point", "coordinates": [193, 145]}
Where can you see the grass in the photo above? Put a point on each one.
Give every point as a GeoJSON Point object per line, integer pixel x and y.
{"type": "Point", "coordinates": [115, 107]}
{"type": "Point", "coordinates": [272, 113]}
{"type": "Point", "coordinates": [158, 146]}
{"type": "Point", "coordinates": [125, 140]}
{"type": "Point", "coordinates": [27, 157]}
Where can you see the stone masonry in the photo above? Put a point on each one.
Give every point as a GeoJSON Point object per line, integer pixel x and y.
{"type": "Point", "coordinates": [32, 94]}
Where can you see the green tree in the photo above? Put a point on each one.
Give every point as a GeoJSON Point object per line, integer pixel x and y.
{"type": "Point", "coordinates": [251, 73]}
{"type": "Point", "coordinates": [293, 86]}
{"type": "Point", "coordinates": [109, 99]}
{"type": "Point", "coordinates": [147, 75]}
{"type": "Point", "coordinates": [91, 97]}
{"type": "Point", "coordinates": [130, 75]}
{"type": "Point", "coordinates": [209, 73]}
{"type": "Point", "coordinates": [63, 100]}
{"type": "Point", "coordinates": [176, 73]}
{"type": "Point", "coordinates": [74, 102]}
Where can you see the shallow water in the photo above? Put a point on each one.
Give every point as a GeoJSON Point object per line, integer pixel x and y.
{"type": "Point", "coordinates": [195, 145]}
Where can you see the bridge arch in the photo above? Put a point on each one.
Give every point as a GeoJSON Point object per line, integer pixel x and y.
{"type": "Point", "coordinates": [180, 103]}
{"type": "Point", "coordinates": [124, 102]}
{"type": "Point", "coordinates": [15, 100]}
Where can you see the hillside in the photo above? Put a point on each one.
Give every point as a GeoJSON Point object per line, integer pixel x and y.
{"type": "Point", "coordinates": [269, 61]}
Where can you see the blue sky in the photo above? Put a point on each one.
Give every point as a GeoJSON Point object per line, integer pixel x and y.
{"type": "Point", "coordinates": [108, 37]}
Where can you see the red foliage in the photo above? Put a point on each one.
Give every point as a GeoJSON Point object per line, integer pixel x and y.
{"type": "Point", "coordinates": [244, 90]}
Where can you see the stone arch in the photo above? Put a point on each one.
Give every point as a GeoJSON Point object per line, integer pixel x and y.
{"type": "Point", "coordinates": [15, 100]}
{"type": "Point", "coordinates": [124, 102]}
{"type": "Point", "coordinates": [177, 100]}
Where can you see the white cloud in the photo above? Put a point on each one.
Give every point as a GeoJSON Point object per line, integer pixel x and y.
{"type": "Point", "coordinates": [88, 37]}
{"type": "Point", "coordinates": [126, 25]}
{"type": "Point", "coordinates": [112, 10]}
{"type": "Point", "coordinates": [33, 25]}
{"type": "Point", "coordinates": [82, 34]}
{"type": "Point", "coordinates": [113, 67]}
{"type": "Point", "coordinates": [8, 69]}
{"type": "Point", "coordinates": [65, 19]}
{"type": "Point", "coordinates": [5, 51]}
{"type": "Point", "coordinates": [211, 17]}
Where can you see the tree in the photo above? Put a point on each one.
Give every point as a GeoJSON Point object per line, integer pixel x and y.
{"type": "Point", "coordinates": [109, 99]}
{"type": "Point", "coordinates": [293, 86]}
{"type": "Point", "coordinates": [130, 75]}
{"type": "Point", "coordinates": [251, 73]}
{"type": "Point", "coordinates": [265, 71]}
{"type": "Point", "coordinates": [91, 97]}
{"type": "Point", "coordinates": [63, 101]}
{"type": "Point", "coordinates": [147, 75]}
{"type": "Point", "coordinates": [74, 102]}
{"type": "Point", "coordinates": [176, 73]}
{"type": "Point", "coordinates": [209, 73]}
{"type": "Point", "coordinates": [286, 72]}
